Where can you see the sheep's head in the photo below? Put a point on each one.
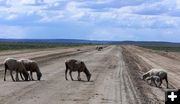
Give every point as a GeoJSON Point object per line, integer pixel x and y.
{"type": "Point", "coordinates": [144, 76]}
{"type": "Point", "coordinates": [89, 77]}
{"type": "Point", "coordinates": [39, 75]}
{"type": "Point", "coordinates": [38, 72]}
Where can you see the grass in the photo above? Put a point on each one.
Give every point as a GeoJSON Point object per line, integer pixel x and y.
{"type": "Point", "coordinates": [163, 48]}
{"type": "Point", "coordinates": [25, 45]}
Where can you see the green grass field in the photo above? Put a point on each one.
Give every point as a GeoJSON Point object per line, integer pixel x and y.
{"type": "Point", "coordinates": [18, 45]}
{"type": "Point", "coordinates": [163, 48]}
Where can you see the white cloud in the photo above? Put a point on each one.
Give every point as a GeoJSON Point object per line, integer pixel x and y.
{"type": "Point", "coordinates": [107, 16]}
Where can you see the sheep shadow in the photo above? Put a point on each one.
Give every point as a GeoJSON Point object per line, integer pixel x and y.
{"type": "Point", "coordinates": [83, 80]}
{"type": "Point", "coordinates": [17, 81]}
{"type": "Point", "coordinates": [29, 81]}
{"type": "Point", "coordinates": [37, 80]}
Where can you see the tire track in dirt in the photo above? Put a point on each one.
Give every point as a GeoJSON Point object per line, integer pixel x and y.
{"type": "Point", "coordinates": [118, 86]}
{"type": "Point", "coordinates": [155, 60]}
{"type": "Point", "coordinates": [128, 91]}
{"type": "Point", "coordinates": [147, 93]}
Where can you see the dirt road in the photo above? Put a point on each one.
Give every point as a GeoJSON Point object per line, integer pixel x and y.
{"type": "Point", "coordinates": [113, 81]}
{"type": "Point", "coordinates": [156, 60]}
{"type": "Point", "coordinates": [110, 82]}
{"type": "Point", "coordinates": [146, 59]}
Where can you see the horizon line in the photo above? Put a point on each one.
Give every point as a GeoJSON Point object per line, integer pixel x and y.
{"type": "Point", "coordinates": [86, 40]}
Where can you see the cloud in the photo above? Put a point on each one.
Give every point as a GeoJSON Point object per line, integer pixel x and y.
{"type": "Point", "coordinates": [115, 3]}
{"type": "Point", "coordinates": [96, 19]}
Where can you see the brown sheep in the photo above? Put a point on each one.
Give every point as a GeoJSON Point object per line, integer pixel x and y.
{"type": "Point", "coordinates": [99, 48]}
{"type": "Point", "coordinates": [76, 65]}
{"type": "Point", "coordinates": [15, 65]}
{"type": "Point", "coordinates": [157, 72]}
{"type": "Point", "coordinates": [32, 66]}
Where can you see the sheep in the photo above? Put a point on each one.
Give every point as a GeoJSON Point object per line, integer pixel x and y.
{"type": "Point", "coordinates": [32, 66]}
{"type": "Point", "coordinates": [99, 48]}
{"type": "Point", "coordinates": [154, 80]}
{"type": "Point", "coordinates": [157, 72]}
{"type": "Point", "coordinates": [15, 65]}
{"type": "Point", "coordinates": [76, 65]}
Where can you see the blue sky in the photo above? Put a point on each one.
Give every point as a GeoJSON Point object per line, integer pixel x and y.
{"type": "Point", "coordinates": [140, 20]}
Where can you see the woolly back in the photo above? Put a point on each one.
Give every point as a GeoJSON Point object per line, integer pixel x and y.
{"type": "Point", "coordinates": [11, 63]}
{"type": "Point", "coordinates": [21, 66]}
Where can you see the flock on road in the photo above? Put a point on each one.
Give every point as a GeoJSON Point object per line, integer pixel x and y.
{"type": "Point", "coordinates": [26, 66]}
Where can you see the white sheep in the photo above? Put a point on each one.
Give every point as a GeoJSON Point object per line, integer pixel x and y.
{"type": "Point", "coordinates": [15, 65]}
{"type": "Point", "coordinates": [32, 66]}
{"type": "Point", "coordinates": [153, 80]}
{"type": "Point", "coordinates": [76, 65]}
{"type": "Point", "coordinates": [157, 72]}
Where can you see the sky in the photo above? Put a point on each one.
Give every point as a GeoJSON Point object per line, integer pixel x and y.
{"type": "Point", "coordinates": [117, 20]}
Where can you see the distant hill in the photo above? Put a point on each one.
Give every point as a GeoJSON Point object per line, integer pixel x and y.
{"type": "Point", "coordinates": [78, 41]}
{"type": "Point", "coordinates": [148, 43]}
{"type": "Point", "coordinates": [63, 41]}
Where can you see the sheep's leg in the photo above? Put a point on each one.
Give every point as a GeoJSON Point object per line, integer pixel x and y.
{"type": "Point", "coordinates": [21, 76]}
{"type": "Point", "coordinates": [32, 75]}
{"type": "Point", "coordinates": [166, 82]}
{"type": "Point", "coordinates": [17, 77]}
{"type": "Point", "coordinates": [5, 73]}
{"type": "Point", "coordinates": [160, 82]}
{"type": "Point", "coordinates": [155, 82]}
{"type": "Point", "coordinates": [30, 78]}
{"type": "Point", "coordinates": [151, 82]}
{"type": "Point", "coordinates": [79, 78]}
{"type": "Point", "coordinates": [26, 75]}
{"type": "Point", "coordinates": [70, 73]}
{"type": "Point", "coordinates": [158, 85]}
{"type": "Point", "coordinates": [66, 74]}
{"type": "Point", "coordinates": [12, 75]}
